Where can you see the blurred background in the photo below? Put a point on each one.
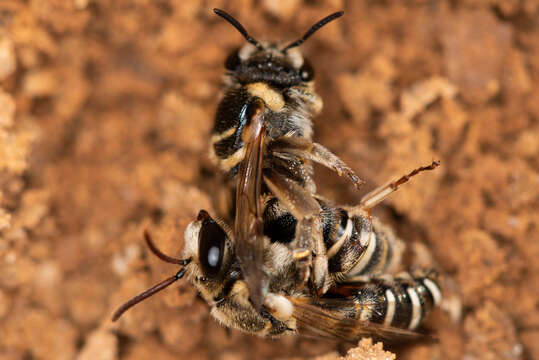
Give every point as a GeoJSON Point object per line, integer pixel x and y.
{"type": "Point", "coordinates": [105, 111]}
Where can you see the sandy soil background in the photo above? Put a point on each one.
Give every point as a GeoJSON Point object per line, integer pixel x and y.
{"type": "Point", "coordinates": [105, 110]}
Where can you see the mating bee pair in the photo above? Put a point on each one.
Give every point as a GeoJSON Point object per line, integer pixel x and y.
{"type": "Point", "coordinates": [293, 262]}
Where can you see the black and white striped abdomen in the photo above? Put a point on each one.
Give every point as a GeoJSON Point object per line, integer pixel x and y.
{"type": "Point", "coordinates": [363, 247]}
{"type": "Point", "coordinates": [400, 302]}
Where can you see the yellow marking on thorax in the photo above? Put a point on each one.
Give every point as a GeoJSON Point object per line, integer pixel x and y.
{"type": "Point", "coordinates": [273, 99]}
{"type": "Point", "coordinates": [232, 160]}
{"type": "Point", "coordinates": [222, 135]}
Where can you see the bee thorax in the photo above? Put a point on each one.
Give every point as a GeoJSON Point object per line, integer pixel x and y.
{"type": "Point", "coordinates": [272, 98]}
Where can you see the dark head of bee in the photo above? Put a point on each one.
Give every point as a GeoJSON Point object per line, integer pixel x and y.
{"type": "Point", "coordinates": [270, 65]}
{"type": "Point", "coordinates": [269, 62]}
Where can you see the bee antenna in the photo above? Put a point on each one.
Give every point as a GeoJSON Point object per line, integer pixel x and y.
{"type": "Point", "coordinates": [159, 254]}
{"type": "Point", "coordinates": [146, 294]}
{"type": "Point", "coordinates": [154, 289]}
{"type": "Point", "coordinates": [238, 26]}
{"type": "Point", "coordinates": [313, 29]}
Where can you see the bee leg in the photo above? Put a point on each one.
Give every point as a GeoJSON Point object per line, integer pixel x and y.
{"type": "Point", "coordinates": [307, 247]}
{"type": "Point", "coordinates": [303, 250]}
{"type": "Point", "coordinates": [407, 278]}
{"type": "Point", "coordinates": [380, 193]}
{"type": "Point", "coordinates": [323, 156]}
{"type": "Point", "coordinates": [279, 307]}
{"type": "Point", "coordinates": [303, 148]}
{"type": "Point", "coordinates": [452, 301]}
{"type": "Point", "coordinates": [309, 231]}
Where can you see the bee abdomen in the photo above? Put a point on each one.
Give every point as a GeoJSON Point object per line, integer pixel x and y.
{"type": "Point", "coordinates": [401, 302]}
{"type": "Point", "coordinates": [358, 245]}
{"type": "Point", "coordinates": [381, 250]}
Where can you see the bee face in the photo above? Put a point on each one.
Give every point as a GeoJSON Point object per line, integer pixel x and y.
{"type": "Point", "coordinates": [270, 64]}
{"type": "Point", "coordinates": [209, 246]}
{"type": "Point", "coordinates": [214, 270]}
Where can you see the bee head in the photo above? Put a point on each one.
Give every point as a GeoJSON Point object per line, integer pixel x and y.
{"type": "Point", "coordinates": [208, 250]}
{"type": "Point", "coordinates": [270, 64]}
{"type": "Point", "coordinates": [216, 273]}
{"type": "Point", "coordinates": [208, 243]}
{"type": "Point", "coordinates": [280, 66]}
{"type": "Point", "coordinates": [211, 265]}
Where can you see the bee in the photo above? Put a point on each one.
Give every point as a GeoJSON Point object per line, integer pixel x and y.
{"type": "Point", "coordinates": [262, 138]}
{"type": "Point", "coordinates": [368, 296]}
{"type": "Point", "coordinates": [292, 262]}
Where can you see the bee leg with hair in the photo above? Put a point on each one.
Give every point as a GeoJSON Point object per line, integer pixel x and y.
{"type": "Point", "coordinates": [380, 193]}
{"type": "Point", "coordinates": [307, 248]}
{"type": "Point", "coordinates": [309, 230]}
{"type": "Point", "coordinates": [304, 148]}
{"type": "Point", "coordinates": [279, 307]}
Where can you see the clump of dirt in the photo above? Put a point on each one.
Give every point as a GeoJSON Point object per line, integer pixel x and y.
{"type": "Point", "coordinates": [105, 111]}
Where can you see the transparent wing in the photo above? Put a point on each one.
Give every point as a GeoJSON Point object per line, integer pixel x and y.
{"type": "Point", "coordinates": [333, 318]}
{"type": "Point", "coordinates": [248, 226]}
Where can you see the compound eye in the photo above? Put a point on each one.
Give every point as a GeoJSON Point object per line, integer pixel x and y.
{"type": "Point", "coordinates": [233, 60]}
{"type": "Point", "coordinates": [306, 72]}
{"type": "Point", "coordinates": [211, 247]}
